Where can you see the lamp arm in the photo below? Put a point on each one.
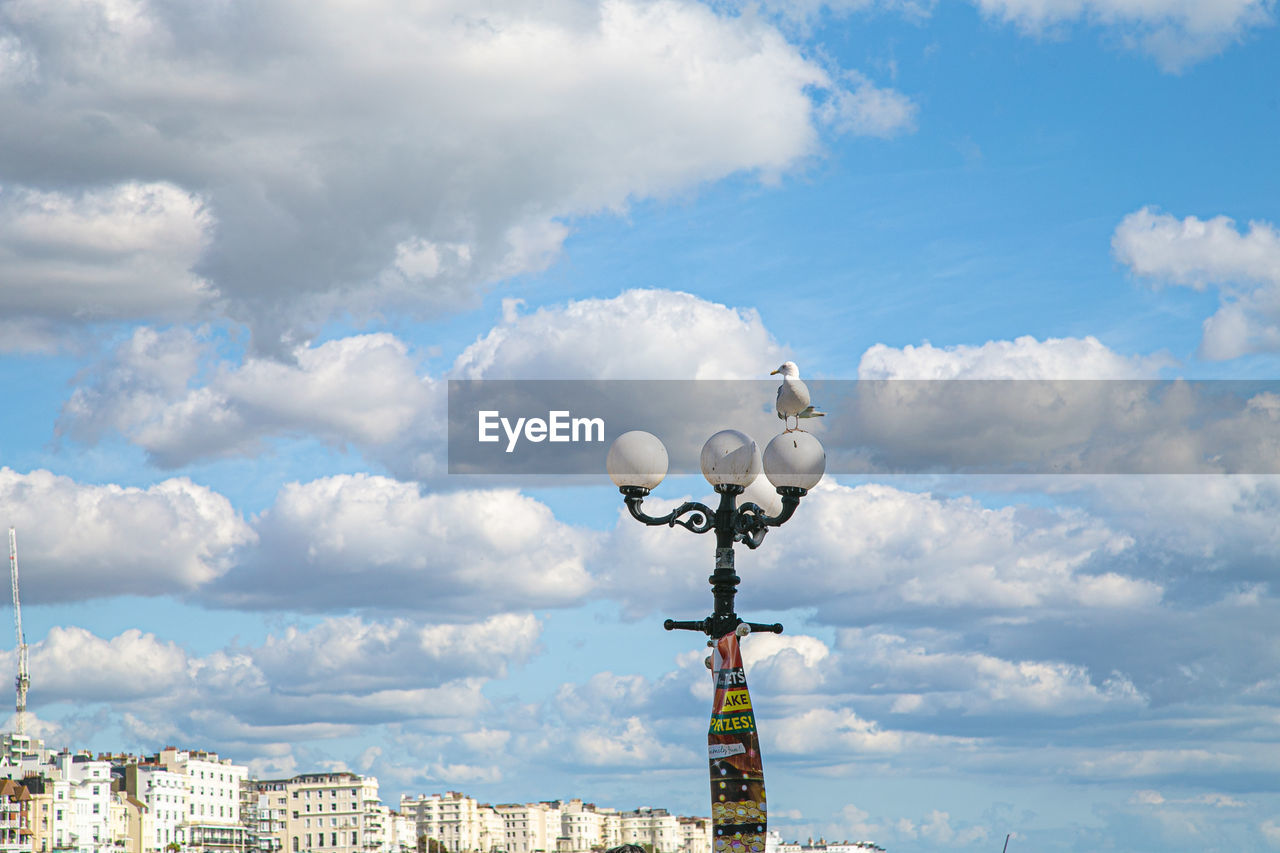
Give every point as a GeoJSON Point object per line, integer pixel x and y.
{"type": "Point", "coordinates": [701, 519]}
{"type": "Point", "coordinates": [752, 522]}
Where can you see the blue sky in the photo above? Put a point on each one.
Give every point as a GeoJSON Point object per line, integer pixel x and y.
{"type": "Point", "coordinates": [244, 245]}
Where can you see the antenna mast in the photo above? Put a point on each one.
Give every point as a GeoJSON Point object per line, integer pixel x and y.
{"type": "Point", "coordinates": [23, 681]}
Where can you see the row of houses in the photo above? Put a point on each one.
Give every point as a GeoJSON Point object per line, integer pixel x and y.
{"type": "Point", "coordinates": [191, 801]}
{"type": "Point", "coordinates": [460, 824]}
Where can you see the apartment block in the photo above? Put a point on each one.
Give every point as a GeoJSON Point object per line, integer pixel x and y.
{"type": "Point", "coordinates": [328, 812]}
{"type": "Point", "coordinates": [656, 827]}
{"type": "Point", "coordinates": [456, 821]}
{"type": "Point", "coordinates": [585, 826]}
{"type": "Point", "coordinates": [15, 818]}
{"type": "Point", "coordinates": [530, 827]}
{"type": "Point", "coordinates": [695, 834]}
{"type": "Point", "coordinates": [164, 793]}
{"type": "Point", "coordinates": [212, 819]}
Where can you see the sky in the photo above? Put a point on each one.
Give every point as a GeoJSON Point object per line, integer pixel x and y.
{"type": "Point", "coordinates": [245, 245]}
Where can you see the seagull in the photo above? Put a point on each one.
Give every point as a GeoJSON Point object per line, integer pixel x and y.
{"type": "Point", "coordinates": [793, 397]}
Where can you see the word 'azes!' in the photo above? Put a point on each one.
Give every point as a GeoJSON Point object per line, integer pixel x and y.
{"type": "Point", "coordinates": [559, 426]}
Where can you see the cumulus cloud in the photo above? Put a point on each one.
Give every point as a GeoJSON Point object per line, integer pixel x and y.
{"type": "Point", "coordinates": [297, 685]}
{"type": "Point", "coordinates": [351, 654]}
{"type": "Point", "coordinates": [840, 732]}
{"type": "Point", "coordinates": [75, 665]}
{"type": "Point", "coordinates": [639, 334]}
{"type": "Point", "coordinates": [123, 251]}
{"type": "Point", "coordinates": [165, 391]}
{"type": "Point", "coordinates": [868, 110]}
{"type": "Point", "coordinates": [84, 541]}
{"type": "Point", "coordinates": [1022, 358]}
{"type": "Point", "coordinates": [366, 541]}
{"type": "Point", "coordinates": [914, 552]}
{"type": "Point", "coordinates": [1175, 32]}
{"type": "Point", "coordinates": [928, 680]}
{"type": "Point", "coordinates": [321, 177]}
{"type": "Point", "coordinates": [362, 390]}
{"type": "Point", "coordinates": [1244, 266]}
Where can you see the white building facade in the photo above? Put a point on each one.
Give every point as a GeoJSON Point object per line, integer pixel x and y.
{"type": "Point", "coordinates": [164, 793]}
{"type": "Point", "coordinates": [328, 813]}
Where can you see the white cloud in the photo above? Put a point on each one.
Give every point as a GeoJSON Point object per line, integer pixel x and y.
{"type": "Point", "coordinates": [366, 541]}
{"type": "Point", "coordinates": [349, 653]}
{"type": "Point", "coordinates": [1022, 358]}
{"type": "Point", "coordinates": [639, 334]}
{"type": "Point", "coordinates": [841, 732]}
{"type": "Point", "coordinates": [1245, 267]}
{"type": "Point", "coordinates": [75, 665]}
{"type": "Point", "coordinates": [297, 685]}
{"type": "Point", "coordinates": [361, 390]}
{"type": "Point", "coordinates": [1176, 33]}
{"type": "Point", "coordinates": [868, 110]}
{"type": "Point", "coordinates": [977, 683]}
{"type": "Point", "coordinates": [365, 391]}
{"type": "Point", "coordinates": [348, 180]}
{"type": "Point", "coordinates": [120, 252]}
{"type": "Point", "coordinates": [914, 553]}
{"type": "Point", "coordinates": [84, 540]}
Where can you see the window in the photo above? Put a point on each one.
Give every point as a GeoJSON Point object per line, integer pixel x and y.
{"type": "Point", "coordinates": [334, 807]}
{"type": "Point", "coordinates": [308, 839]}
{"type": "Point", "coordinates": [333, 842]}
{"type": "Point", "coordinates": [295, 844]}
{"type": "Point", "coordinates": [355, 838]}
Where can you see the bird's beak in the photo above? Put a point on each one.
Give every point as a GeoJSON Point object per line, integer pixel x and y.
{"type": "Point", "coordinates": [772, 372]}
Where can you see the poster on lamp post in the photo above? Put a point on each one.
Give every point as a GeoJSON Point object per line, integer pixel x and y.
{"type": "Point", "coordinates": [733, 748]}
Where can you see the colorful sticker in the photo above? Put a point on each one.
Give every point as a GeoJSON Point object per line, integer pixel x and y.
{"type": "Point", "coordinates": [738, 816]}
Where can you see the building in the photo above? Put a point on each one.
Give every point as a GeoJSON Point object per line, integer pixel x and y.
{"type": "Point", "coordinates": [14, 747]}
{"type": "Point", "coordinates": [655, 827]}
{"type": "Point", "coordinates": [88, 799]}
{"type": "Point", "coordinates": [586, 827]}
{"type": "Point", "coordinates": [15, 818]}
{"type": "Point", "coordinates": [262, 811]}
{"type": "Point", "coordinates": [211, 822]}
{"type": "Point", "coordinates": [127, 822]}
{"type": "Point", "coordinates": [402, 834]}
{"type": "Point", "coordinates": [529, 827]}
{"type": "Point", "coordinates": [164, 793]}
{"type": "Point", "coordinates": [824, 846]}
{"type": "Point", "coordinates": [695, 834]}
{"type": "Point", "coordinates": [456, 821]}
{"type": "Point", "coordinates": [327, 813]}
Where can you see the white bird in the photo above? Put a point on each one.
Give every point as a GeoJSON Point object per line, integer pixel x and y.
{"type": "Point", "coordinates": [793, 397]}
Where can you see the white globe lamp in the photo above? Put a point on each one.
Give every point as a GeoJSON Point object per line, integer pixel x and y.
{"type": "Point", "coordinates": [730, 458]}
{"type": "Point", "coordinates": [637, 459]}
{"type": "Point", "coordinates": [795, 460]}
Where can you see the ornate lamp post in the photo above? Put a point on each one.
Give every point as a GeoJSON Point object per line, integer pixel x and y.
{"type": "Point", "coordinates": [793, 462]}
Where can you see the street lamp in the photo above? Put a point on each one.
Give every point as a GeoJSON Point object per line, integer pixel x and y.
{"type": "Point", "coordinates": [793, 462]}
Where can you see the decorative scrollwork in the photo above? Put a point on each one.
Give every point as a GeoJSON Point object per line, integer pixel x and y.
{"type": "Point", "coordinates": [701, 519]}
